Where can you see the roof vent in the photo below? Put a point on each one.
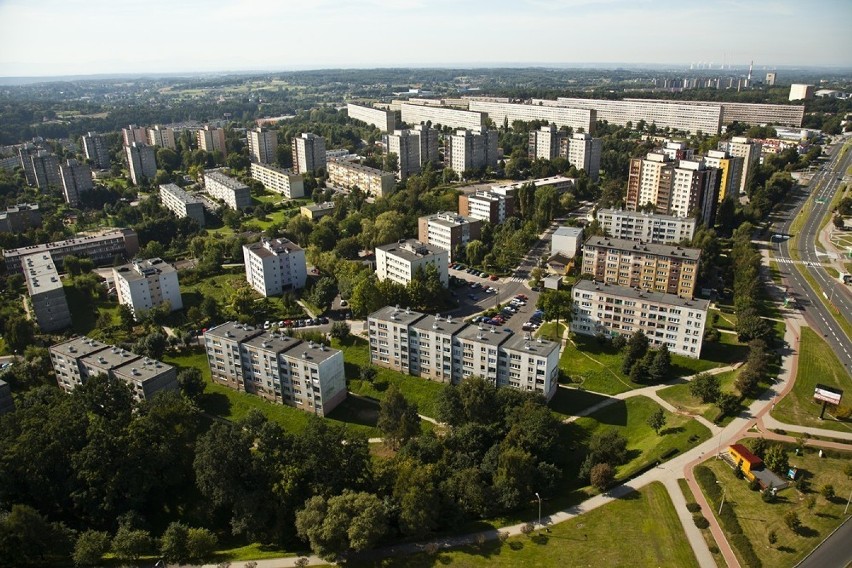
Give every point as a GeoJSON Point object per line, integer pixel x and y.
{"type": "Point", "coordinates": [304, 354]}
{"type": "Point", "coordinates": [527, 345]}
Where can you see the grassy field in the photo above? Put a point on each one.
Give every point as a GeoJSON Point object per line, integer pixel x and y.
{"type": "Point", "coordinates": [649, 534]}
{"type": "Point", "coordinates": [817, 364]}
{"type": "Point", "coordinates": [549, 331]}
{"type": "Point", "coordinates": [220, 288]}
{"type": "Point", "coordinates": [757, 518]}
{"type": "Point", "coordinates": [708, 536]}
{"type": "Point", "coordinates": [679, 397]}
{"type": "Point", "coordinates": [85, 312]}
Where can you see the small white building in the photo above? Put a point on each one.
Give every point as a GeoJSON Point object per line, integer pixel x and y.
{"type": "Point", "coordinates": [567, 240]}
{"type": "Point", "coordinates": [275, 265]}
{"type": "Point", "coordinates": [399, 261]}
{"type": "Point", "coordinates": [144, 284]}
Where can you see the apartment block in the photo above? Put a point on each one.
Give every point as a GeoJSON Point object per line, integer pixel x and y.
{"type": "Point", "coordinates": [441, 116]}
{"type": "Point", "coordinates": [308, 153]}
{"type": "Point", "coordinates": [141, 161]}
{"type": "Point", "coordinates": [730, 172]}
{"type": "Point", "coordinates": [317, 211]}
{"type": "Point", "coordinates": [660, 268]}
{"type": "Point", "coordinates": [101, 248]}
{"type": "Point", "coordinates": [400, 261]}
{"type": "Point", "coordinates": [182, 204]}
{"type": "Point", "coordinates": [25, 154]}
{"type": "Point", "coordinates": [576, 118]}
{"type": "Point", "coordinates": [471, 150]}
{"type": "Point", "coordinates": [145, 284]}
{"type": "Point", "coordinates": [800, 92]}
{"type": "Point", "coordinates": [369, 180]}
{"type": "Point", "coordinates": [691, 184]}
{"type": "Point", "coordinates": [162, 137]}
{"type": "Point", "coordinates": [584, 153]}
{"type": "Point", "coordinates": [382, 119]}
{"type": "Point", "coordinates": [134, 133]}
{"type": "Point", "coordinates": [406, 145]}
{"type": "Point", "coordinates": [761, 113]}
{"type": "Point", "coordinates": [448, 231]}
{"type": "Point", "coordinates": [666, 319]}
{"type": "Point", "coordinates": [45, 167]}
{"type": "Point", "coordinates": [76, 180]}
{"type": "Point", "coordinates": [275, 265]}
{"type": "Point", "coordinates": [648, 227]}
{"type": "Point", "coordinates": [546, 142]}
{"type": "Point", "coordinates": [9, 163]}
{"type": "Point", "coordinates": [211, 139]}
{"type": "Point", "coordinates": [78, 359]}
{"type": "Point", "coordinates": [95, 149]}
{"type": "Point", "coordinates": [560, 183]}
{"type": "Point", "coordinates": [279, 180]}
{"type": "Point", "coordinates": [428, 143]}
{"type": "Point", "coordinates": [47, 303]}
{"type": "Point", "coordinates": [233, 192]}
{"type": "Point", "coordinates": [448, 350]}
{"type": "Point", "coordinates": [566, 240]}
{"type": "Point", "coordinates": [675, 150]}
{"type": "Point", "coordinates": [276, 367]}
{"type": "Point", "coordinates": [263, 145]}
{"type": "Point", "coordinates": [486, 205]}
{"type": "Point", "coordinates": [20, 218]}
{"type": "Point", "coordinates": [747, 149]}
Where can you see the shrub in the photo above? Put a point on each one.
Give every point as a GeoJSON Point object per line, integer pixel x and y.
{"type": "Point", "coordinates": [843, 412]}
{"type": "Point", "coordinates": [528, 528]}
{"type": "Point", "coordinates": [693, 507]}
{"type": "Point", "coordinates": [754, 485]}
{"type": "Point", "coordinates": [791, 519]}
{"type": "Point", "coordinates": [827, 491]}
{"type": "Point", "coordinates": [700, 521]}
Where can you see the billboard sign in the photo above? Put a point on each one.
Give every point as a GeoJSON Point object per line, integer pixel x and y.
{"type": "Point", "coordinates": [827, 394]}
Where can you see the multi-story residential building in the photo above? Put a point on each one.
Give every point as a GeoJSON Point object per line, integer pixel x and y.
{"type": "Point", "coordinates": [749, 151]}
{"type": "Point", "coordinates": [263, 145]}
{"type": "Point", "coordinates": [369, 180]}
{"type": "Point", "coordinates": [162, 137]}
{"type": "Point", "coordinates": [308, 153]}
{"type": "Point", "coordinates": [448, 231]}
{"type": "Point", "coordinates": [400, 261]}
{"type": "Point", "coordinates": [441, 116]}
{"type": "Point", "coordinates": [486, 205]}
{"type": "Point", "coordinates": [662, 268]}
{"type": "Point", "coordinates": [448, 350]}
{"type": "Point", "coordinates": [141, 161]}
{"type": "Point", "coordinates": [566, 240]}
{"type": "Point", "coordinates": [560, 183]}
{"type": "Point", "coordinates": [19, 218]}
{"type": "Point", "coordinates": [666, 319]}
{"type": "Point", "coordinates": [471, 149]}
{"type": "Point", "coordinates": [78, 359]}
{"type": "Point", "coordinates": [211, 139]}
{"type": "Point", "coordinates": [101, 248]}
{"type": "Point", "coordinates": [182, 204]}
{"type": "Point", "coordinates": [691, 181]}
{"type": "Point", "coordinates": [771, 77]}
{"type": "Point", "coordinates": [428, 143]}
{"type": "Point", "coordinates": [762, 113]}
{"type": "Point", "coordinates": [546, 142]}
{"type": "Point", "coordinates": [46, 170]}
{"type": "Point", "coordinates": [576, 118]}
{"type": "Point", "coordinates": [676, 150]}
{"type": "Point", "coordinates": [76, 180]}
{"type": "Point", "coordinates": [279, 180]}
{"type": "Point", "coordinates": [47, 304]}
{"type": "Point", "coordinates": [10, 163]}
{"type": "Point", "coordinates": [275, 265]}
{"type": "Point", "coordinates": [730, 172]}
{"type": "Point", "coordinates": [25, 154]}
{"type": "Point", "coordinates": [95, 149]}
{"type": "Point", "coordinates": [652, 228]}
{"type": "Point", "coordinates": [649, 182]}
{"type": "Point", "coordinates": [276, 367]}
{"type": "Point", "coordinates": [233, 192]}
{"type": "Point", "coordinates": [406, 145]}
{"type": "Point", "coordinates": [382, 119]}
{"type": "Point", "coordinates": [133, 134]}
{"type": "Point", "coordinates": [681, 116]}
{"type": "Point", "coordinates": [584, 153]}
{"type": "Point", "coordinates": [146, 284]}
{"type": "Point", "coordinates": [7, 403]}
{"type": "Point", "coordinates": [799, 92]}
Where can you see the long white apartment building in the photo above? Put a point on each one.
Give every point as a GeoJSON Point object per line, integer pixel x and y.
{"type": "Point", "coordinates": [647, 227]}
{"type": "Point", "coordinates": [233, 192]}
{"type": "Point", "coordinates": [102, 248]}
{"type": "Point", "coordinates": [406, 145]}
{"type": "Point", "coordinates": [211, 139]}
{"type": "Point", "coordinates": [76, 180]}
{"type": "Point", "coordinates": [162, 137]}
{"type": "Point", "coordinates": [382, 119]}
{"type": "Point", "coordinates": [747, 149]}
{"type": "Point", "coordinates": [308, 153]}
{"type": "Point", "coordinates": [584, 153]}
{"type": "Point", "coordinates": [141, 161]}
{"type": "Point", "coordinates": [560, 183]}
{"type": "Point", "coordinates": [145, 284]}
{"type": "Point", "coordinates": [181, 203]}
{"type": "Point", "coordinates": [279, 180]}
{"type": "Point", "coordinates": [80, 358]}
{"type": "Point", "coordinates": [576, 118]}
{"type": "Point", "coordinates": [486, 205]}
{"type": "Point", "coordinates": [47, 304]}
{"type": "Point", "coordinates": [282, 369]}
{"type": "Point", "coordinates": [448, 231]}
{"type": "Point", "coordinates": [263, 145]}
{"type": "Point", "coordinates": [275, 265]}
{"type": "Point", "coordinates": [471, 149]}
{"type": "Point", "coordinates": [443, 116]}
{"type": "Point", "coordinates": [612, 310]}
{"type": "Point", "coordinates": [400, 261]}
{"type": "Point", "coordinates": [448, 350]}
{"type": "Point", "coordinates": [369, 180]}
{"type": "Point", "coordinates": [680, 116]}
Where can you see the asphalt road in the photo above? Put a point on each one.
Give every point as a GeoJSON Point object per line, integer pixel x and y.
{"type": "Point", "coordinates": [836, 550]}
{"type": "Point", "coordinates": [817, 315]}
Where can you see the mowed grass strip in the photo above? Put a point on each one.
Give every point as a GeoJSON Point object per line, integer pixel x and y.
{"type": "Point", "coordinates": [641, 529]}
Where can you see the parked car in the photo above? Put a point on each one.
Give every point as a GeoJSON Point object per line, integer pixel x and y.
{"type": "Point", "coordinates": [494, 278]}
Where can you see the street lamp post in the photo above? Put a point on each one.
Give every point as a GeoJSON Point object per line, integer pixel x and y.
{"type": "Point", "coordinates": [847, 503]}
{"type": "Point", "coordinates": [719, 445]}
{"type": "Point", "coordinates": [537, 496]}
{"type": "Point", "coordinates": [724, 490]}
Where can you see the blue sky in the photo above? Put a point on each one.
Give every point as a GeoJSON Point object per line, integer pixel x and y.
{"type": "Point", "coordinates": [61, 37]}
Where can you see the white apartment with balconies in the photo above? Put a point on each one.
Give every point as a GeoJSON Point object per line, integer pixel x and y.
{"type": "Point", "coordinates": [400, 261]}
{"type": "Point", "coordinates": [145, 284]}
{"type": "Point", "coordinates": [275, 265]}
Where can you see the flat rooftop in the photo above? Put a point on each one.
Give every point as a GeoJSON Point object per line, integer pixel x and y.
{"type": "Point", "coordinates": [487, 335]}
{"type": "Point", "coordinates": [639, 246]}
{"type": "Point", "coordinates": [644, 215]}
{"type": "Point", "coordinates": [403, 316]}
{"type": "Point", "coordinates": [180, 194]}
{"type": "Point", "coordinates": [140, 371]}
{"type": "Point", "coordinates": [311, 352]}
{"type": "Point", "coordinates": [141, 269]}
{"type": "Point", "coordinates": [447, 219]}
{"type": "Point", "coordinates": [273, 342]}
{"type": "Point", "coordinates": [85, 240]}
{"type": "Point", "coordinates": [568, 232]}
{"type": "Point", "coordinates": [79, 347]}
{"type": "Point", "coordinates": [446, 325]}
{"type": "Point", "coordinates": [40, 273]}
{"type": "Point", "coordinates": [358, 167]}
{"type": "Point", "coordinates": [273, 247]}
{"type": "Point", "coordinates": [539, 347]}
{"type": "Point", "coordinates": [633, 293]}
{"type": "Point", "coordinates": [110, 358]}
{"type": "Point", "coordinates": [411, 249]}
{"type": "Point", "coordinates": [225, 180]}
{"type": "Point", "coordinates": [233, 331]}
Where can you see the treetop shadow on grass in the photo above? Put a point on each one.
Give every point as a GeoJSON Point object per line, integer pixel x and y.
{"type": "Point", "coordinates": [215, 403]}
{"type": "Point", "coordinates": [614, 414]}
{"type": "Point", "coordinates": [357, 410]}
{"type": "Point", "coordinates": [673, 430]}
{"type": "Point", "coordinates": [571, 401]}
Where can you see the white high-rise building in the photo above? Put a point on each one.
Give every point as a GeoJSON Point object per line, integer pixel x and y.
{"type": "Point", "coordinates": [182, 204]}
{"type": "Point", "coordinates": [584, 153]}
{"type": "Point", "coordinates": [399, 261]}
{"type": "Point", "coordinates": [47, 303]}
{"type": "Point", "coordinates": [545, 142]}
{"type": "Point", "coordinates": [146, 284]}
{"type": "Point", "coordinates": [384, 120]}
{"type": "Point", "coordinates": [275, 265]}
{"type": "Point", "coordinates": [749, 151]}
{"type": "Point", "coordinates": [428, 143]}
{"type": "Point", "coordinates": [76, 180]}
{"type": "Point", "coordinates": [133, 134]}
{"type": "Point", "coordinates": [800, 92]}
{"type": "Point", "coordinates": [211, 139]}
{"type": "Point", "coordinates": [308, 153]}
{"type": "Point", "coordinates": [162, 137]}
{"type": "Point", "coordinates": [651, 228]}
{"type": "Point", "coordinates": [471, 149]}
{"type": "Point", "coordinates": [406, 145]}
{"type": "Point", "coordinates": [263, 145]}
{"type": "Point", "coordinates": [141, 161]}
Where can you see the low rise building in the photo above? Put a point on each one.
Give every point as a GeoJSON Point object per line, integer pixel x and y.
{"type": "Point", "coordinates": [182, 204]}
{"type": "Point", "coordinates": [146, 284]}
{"type": "Point", "coordinates": [400, 261]}
{"type": "Point", "coordinates": [233, 192]}
{"type": "Point", "coordinates": [369, 180]}
{"type": "Point", "coordinates": [448, 231]}
{"type": "Point", "coordinates": [317, 211]}
{"type": "Point", "coordinates": [486, 205]}
{"type": "Point", "coordinates": [276, 367]}
{"type": "Point", "coordinates": [20, 218]}
{"type": "Point", "coordinates": [648, 227]}
{"type": "Point", "coordinates": [275, 265]}
{"type": "Point", "coordinates": [102, 248]}
{"type": "Point", "coordinates": [566, 240]}
{"type": "Point", "coordinates": [666, 319]}
{"type": "Point", "coordinates": [47, 303]}
{"type": "Point", "coordinates": [279, 180]}
{"type": "Point", "coordinates": [78, 359]}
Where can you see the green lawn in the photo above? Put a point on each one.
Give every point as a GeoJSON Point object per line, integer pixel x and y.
{"type": "Point", "coordinates": [757, 518]}
{"type": "Point", "coordinates": [569, 401]}
{"type": "Point", "coordinates": [722, 320]}
{"type": "Point", "coordinates": [679, 396]}
{"type": "Point", "coordinates": [549, 331]}
{"type": "Point", "coordinates": [708, 536]}
{"type": "Point", "coordinates": [817, 364]}
{"type": "Point", "coordinates": [85, 312]}
{"type": "Point", "coordinates": [649, 534]}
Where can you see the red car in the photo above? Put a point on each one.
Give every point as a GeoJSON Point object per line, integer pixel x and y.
{"type": "Point", "coordinates": [494, 278]}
